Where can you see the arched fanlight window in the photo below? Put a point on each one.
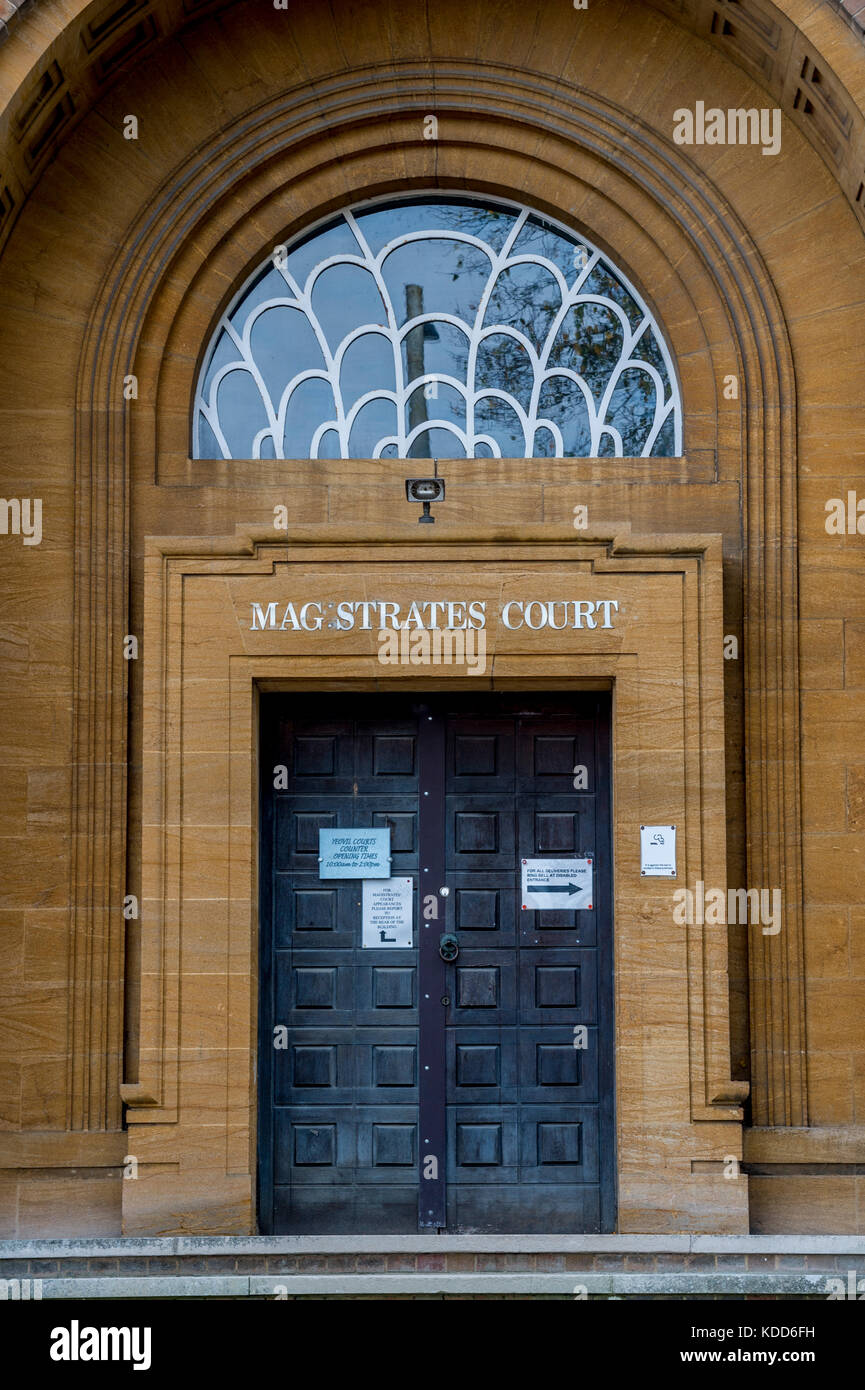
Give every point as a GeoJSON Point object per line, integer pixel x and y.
{"type": "Point", "coordinates": [438, 325]}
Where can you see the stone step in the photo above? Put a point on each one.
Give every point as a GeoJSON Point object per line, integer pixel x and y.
{"type": "Point", "coordinates": [428, 1266]}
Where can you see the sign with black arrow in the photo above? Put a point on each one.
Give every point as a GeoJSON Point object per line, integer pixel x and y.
{"type": "Point", "coordinates": [387, 913]}
{"type": "Point", "coordinates": [565, 884]}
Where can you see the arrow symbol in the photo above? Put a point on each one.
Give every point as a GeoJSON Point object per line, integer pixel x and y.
{"type": "Point", "coordinates": [569, 888]}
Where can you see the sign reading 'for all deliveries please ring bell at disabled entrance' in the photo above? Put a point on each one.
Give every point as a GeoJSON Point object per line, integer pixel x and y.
{"type": "Point", "coordinates": [557, 883]}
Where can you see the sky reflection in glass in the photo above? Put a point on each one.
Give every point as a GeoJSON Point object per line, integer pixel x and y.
{"type": "Point", "coordinates": [442, 326]}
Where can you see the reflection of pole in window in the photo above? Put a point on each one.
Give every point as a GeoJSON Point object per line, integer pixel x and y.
{"type": "Point", "coordinates": [415, 368]}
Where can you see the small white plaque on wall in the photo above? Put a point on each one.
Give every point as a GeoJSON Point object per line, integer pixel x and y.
{"type": "Point", "coordinates": [658, 851]}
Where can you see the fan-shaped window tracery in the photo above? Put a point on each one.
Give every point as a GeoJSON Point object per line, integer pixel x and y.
{"type": "Point", "coordinates": [438, 325]}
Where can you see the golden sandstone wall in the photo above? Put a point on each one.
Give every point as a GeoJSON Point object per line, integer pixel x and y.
{"type": "Point", "coordinates": [251, 122]}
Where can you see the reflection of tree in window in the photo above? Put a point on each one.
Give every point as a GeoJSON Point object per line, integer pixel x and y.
{"type": "Point", "coordinates": [506, 335]}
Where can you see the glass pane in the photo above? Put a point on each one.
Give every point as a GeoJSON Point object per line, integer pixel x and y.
{"type": "Point", "coordinates": [527, 298]}
{"type": "Point", "coordinates": [242, 412]}
{"type": "Point", "coordinates": [633, 408]}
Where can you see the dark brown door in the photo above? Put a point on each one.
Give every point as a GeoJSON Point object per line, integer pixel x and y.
{"type": "Point", "coordinates": [400, 1090]}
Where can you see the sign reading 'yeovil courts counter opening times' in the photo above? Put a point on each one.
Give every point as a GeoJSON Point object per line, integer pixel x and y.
{"type": "Point", "coordinates": [354, 853]}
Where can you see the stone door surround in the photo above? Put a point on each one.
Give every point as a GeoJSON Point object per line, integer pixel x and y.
{"type": "Point", "coordinates": [192, 1109]}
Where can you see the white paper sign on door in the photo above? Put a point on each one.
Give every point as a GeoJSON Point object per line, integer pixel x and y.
{"type": "Point", "coordinates": [565, 884]}
{"type": "Point", "coordinates": [388, 905]}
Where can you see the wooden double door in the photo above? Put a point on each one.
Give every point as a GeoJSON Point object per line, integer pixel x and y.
{"type": "Point", "coordinates": [464, 1082]}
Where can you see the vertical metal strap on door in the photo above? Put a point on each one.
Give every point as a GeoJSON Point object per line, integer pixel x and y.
{"type": "Point", "coordinates": [432, 1012]}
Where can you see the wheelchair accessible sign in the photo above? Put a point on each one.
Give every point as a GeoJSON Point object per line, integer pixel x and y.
{"type": "Point", "coordinates": [565, 884]}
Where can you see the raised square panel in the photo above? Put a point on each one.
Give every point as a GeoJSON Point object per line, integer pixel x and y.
{"type": "Point", "coordinates": [315, 909]}
{"type": "Point", "coordinates": [479, 1145]}
{"type": "Point", "coordinates": [560, 1143]}
{"type": "Point", "coordinates": [555, 756]}
{"type": "Point", "coordinates": [314, 757]}
{"type": "Point", "coordinates": [314, 1066]}
{"type": "Point", "coordinates": [393, 755]}
{"type": "Point", "coordinates": [315, 988]}
{"type": "Point", "coordinates": [552, 919]}
{"type": "Point", "coordinates": [314, 1145]}
{"type": "Point", "coordinates": [393, 1146]}
{"type": "Point", "coordinates": [477, 909]}
{"type": "Point", "coordinates": [557, 986]}
{"type": "Point", "coordinates": [555, 832]}
{"type": "Point", "coordinates": [477, 986]}
{"type": "Point", "coordinates": [475, 756]}
{"type": "Point", "coordinates": [306, 827]}
{"type": "Point", "coordinates": [393, 1066]}
{"type": "Point", "coordinates": [393, 987]}
{"type": "Point", "coordinates": [477, 832]}
{"type": "Point", "coordinates": [477, 1065]}
{"type": "Point", "coordinates": [401, 825]}
{"type": "Point", "coordinates": [557, 1065]}
{"type": "Point", "coordinates": [554, 979]}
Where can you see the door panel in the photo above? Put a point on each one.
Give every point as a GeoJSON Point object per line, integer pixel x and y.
{"type": "Point", "coordinates": [524, 984]}
{"type": "Point", "coordinates": [391, 1054]}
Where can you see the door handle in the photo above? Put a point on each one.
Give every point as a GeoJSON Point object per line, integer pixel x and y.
{"type": "Point", "coordinates": [449, 947]}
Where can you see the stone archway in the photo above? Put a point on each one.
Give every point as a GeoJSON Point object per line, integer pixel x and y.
{"type": "Point", "coordinates": [193, 234]}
